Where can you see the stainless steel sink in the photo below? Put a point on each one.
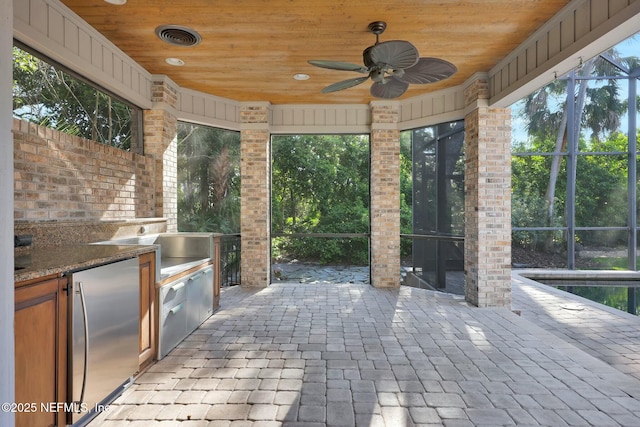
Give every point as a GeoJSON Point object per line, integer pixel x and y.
{"type": "Point", "coordinates": [172, 249]}
{"type": "Point", "coordinates": [135, 240]}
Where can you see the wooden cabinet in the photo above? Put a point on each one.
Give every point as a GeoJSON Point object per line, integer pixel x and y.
{"type": "Point", "coordinates": [41, 343]}
{"type": "Point", "coordinates": [147, 309]}
{"type": "Point", "coordinates": [41, 351]}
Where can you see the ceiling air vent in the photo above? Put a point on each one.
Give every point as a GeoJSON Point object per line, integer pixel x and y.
{"type": "Point", "coordinates": [178, 36]}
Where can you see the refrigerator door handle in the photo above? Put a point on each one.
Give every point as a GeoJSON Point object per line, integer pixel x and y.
{"type": "Point", "coordinates": [86, 342]}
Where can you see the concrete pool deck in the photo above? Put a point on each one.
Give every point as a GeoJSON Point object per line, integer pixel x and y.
{"type": "Point", "coordinates": [610, 335]}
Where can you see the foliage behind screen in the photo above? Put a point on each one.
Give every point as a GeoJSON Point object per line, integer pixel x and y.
{"type": "Point", "coordinates": [208, 179]}
{"type": "Point", "coordinates": [320, 184]}
{"type": "Point", "coordinates": [47, 95]}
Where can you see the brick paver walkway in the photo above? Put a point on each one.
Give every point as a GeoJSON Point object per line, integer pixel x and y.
{"type": "Point", "coordinates": [352, 355]}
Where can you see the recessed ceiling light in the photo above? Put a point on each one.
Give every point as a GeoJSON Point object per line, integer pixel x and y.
{"type": "Point", "coordinates": [301, 76]}
{"type": "Point", "coordinates": [117, 2]}
{"type": "Point", "coordinates": [174, 61]}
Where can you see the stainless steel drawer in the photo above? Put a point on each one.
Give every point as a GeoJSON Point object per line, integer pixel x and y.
{"type": "Point", "coordinates": [172, 294]}
{"type": "Point", "coordinates": [173, 328]}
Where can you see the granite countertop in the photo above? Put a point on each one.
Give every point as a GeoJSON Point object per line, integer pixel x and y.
{"type": "Point", "coordinates": [61, 259]}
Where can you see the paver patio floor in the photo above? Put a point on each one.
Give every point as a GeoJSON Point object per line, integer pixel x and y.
{"type": "Point", "coordinates": [353, 355]}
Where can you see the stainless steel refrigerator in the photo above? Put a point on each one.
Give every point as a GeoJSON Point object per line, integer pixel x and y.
{"type": "Point", "coordinates": [104, 335]}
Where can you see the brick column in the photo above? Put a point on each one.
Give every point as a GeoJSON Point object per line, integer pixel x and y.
{"type": "Point", "coordinates": [161, 143]}
{"type": "Point", "coordinates": [255, 216]}
{"type": "Point", "coordinates": [487, 248]}
{"type": "Point", "coordinates": [385, 194]}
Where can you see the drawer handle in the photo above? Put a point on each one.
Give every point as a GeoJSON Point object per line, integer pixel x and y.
{"type": "Point", "coordinates": [177, 287]}
{"type": "Point", "coordinates": [195, 276]}
{"type": "Point", "coordinates": [175, 309]}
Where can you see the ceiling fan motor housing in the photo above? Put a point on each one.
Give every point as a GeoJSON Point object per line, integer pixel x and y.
{"type": "Point", "coordinates": [377, 27]}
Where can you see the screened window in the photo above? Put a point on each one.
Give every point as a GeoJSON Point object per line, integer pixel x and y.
{"type": "Point", "coordinates": [574, 168]}
{"type": "Point", "coordinates": [48, 95]}
{"type": "Point", "coordinates": [208, 179]}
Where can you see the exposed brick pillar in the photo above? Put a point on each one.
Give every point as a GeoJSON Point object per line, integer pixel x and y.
{"type": "Point", "coordinates": [385, 194]}
{"type": "Point", "coordinates": [487, 249]}
{"type": "Point", "coordinates": [255, 217]}
{"type": "Point", "coordinates": [161, 143]}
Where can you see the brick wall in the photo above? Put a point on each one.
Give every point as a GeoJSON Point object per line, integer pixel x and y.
{"type": "Point", "coordinates": [60, 177]}
{"type": "Point", "coordinates": [385, 195]}
{"type": "Point", "coordinates": [487, 200]}
{"type": "Point", "coordinates": [255, 220]}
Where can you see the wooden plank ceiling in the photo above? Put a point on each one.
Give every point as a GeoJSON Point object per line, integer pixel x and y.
{"type": "Point", "coordinates": [251, 49]}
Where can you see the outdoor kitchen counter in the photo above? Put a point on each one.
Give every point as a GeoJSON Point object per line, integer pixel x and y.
{"type": "Point", "coordinates": [171, 267]}
{"type": "Point", "coordinates": [36, 263]}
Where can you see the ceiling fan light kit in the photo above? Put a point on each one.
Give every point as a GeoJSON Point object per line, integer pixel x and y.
{"type": "Point", "coordinates": [391, 65]}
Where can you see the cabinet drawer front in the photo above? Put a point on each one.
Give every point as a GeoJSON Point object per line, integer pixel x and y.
{"type": "Point", "coordinates": [173, 294]}
{"type": "Point", "coordinates": [173, 328]}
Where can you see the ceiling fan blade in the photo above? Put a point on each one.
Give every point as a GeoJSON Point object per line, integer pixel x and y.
{"type": "Point", "coordinates": [391, 89]}
{"type": "Point", "coordinates": [345, 84]}
{"type": "Point", "coordinates": [337, 65]}
{"type": "Point", "coordinates": [427, 70]}
{"type": "Point", "coordinates": [397, 54]}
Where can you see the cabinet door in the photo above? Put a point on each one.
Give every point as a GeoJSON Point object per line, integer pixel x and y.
{"type": "Point", "coordinates": [194, 300]}
{"type": "Point", "coordinates": [41, 351]}
{"type": "Point", "coordinates": [199, 298]}
{"type": "Point", "coordinates": [147, 309]}
{"type": "Point", "coordinates": [208, 295]}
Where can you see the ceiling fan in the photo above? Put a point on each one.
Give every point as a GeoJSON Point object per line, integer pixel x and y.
{"type": "Point", "coordinates": [392, 65]}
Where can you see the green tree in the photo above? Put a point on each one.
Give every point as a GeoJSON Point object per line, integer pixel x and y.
{"type": "Point", "coordinates": [601, 190]}
{"type": "Point", "coordinates": [320, 184]}
{"type": "Point", "coordinates": [208, 179]}
{"type": "Point", "coordinates": [598, 108]}
{"type": "Point", "coordinates": [601, 198]}
{"type": "Point", "coordinates": [50, 97]}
